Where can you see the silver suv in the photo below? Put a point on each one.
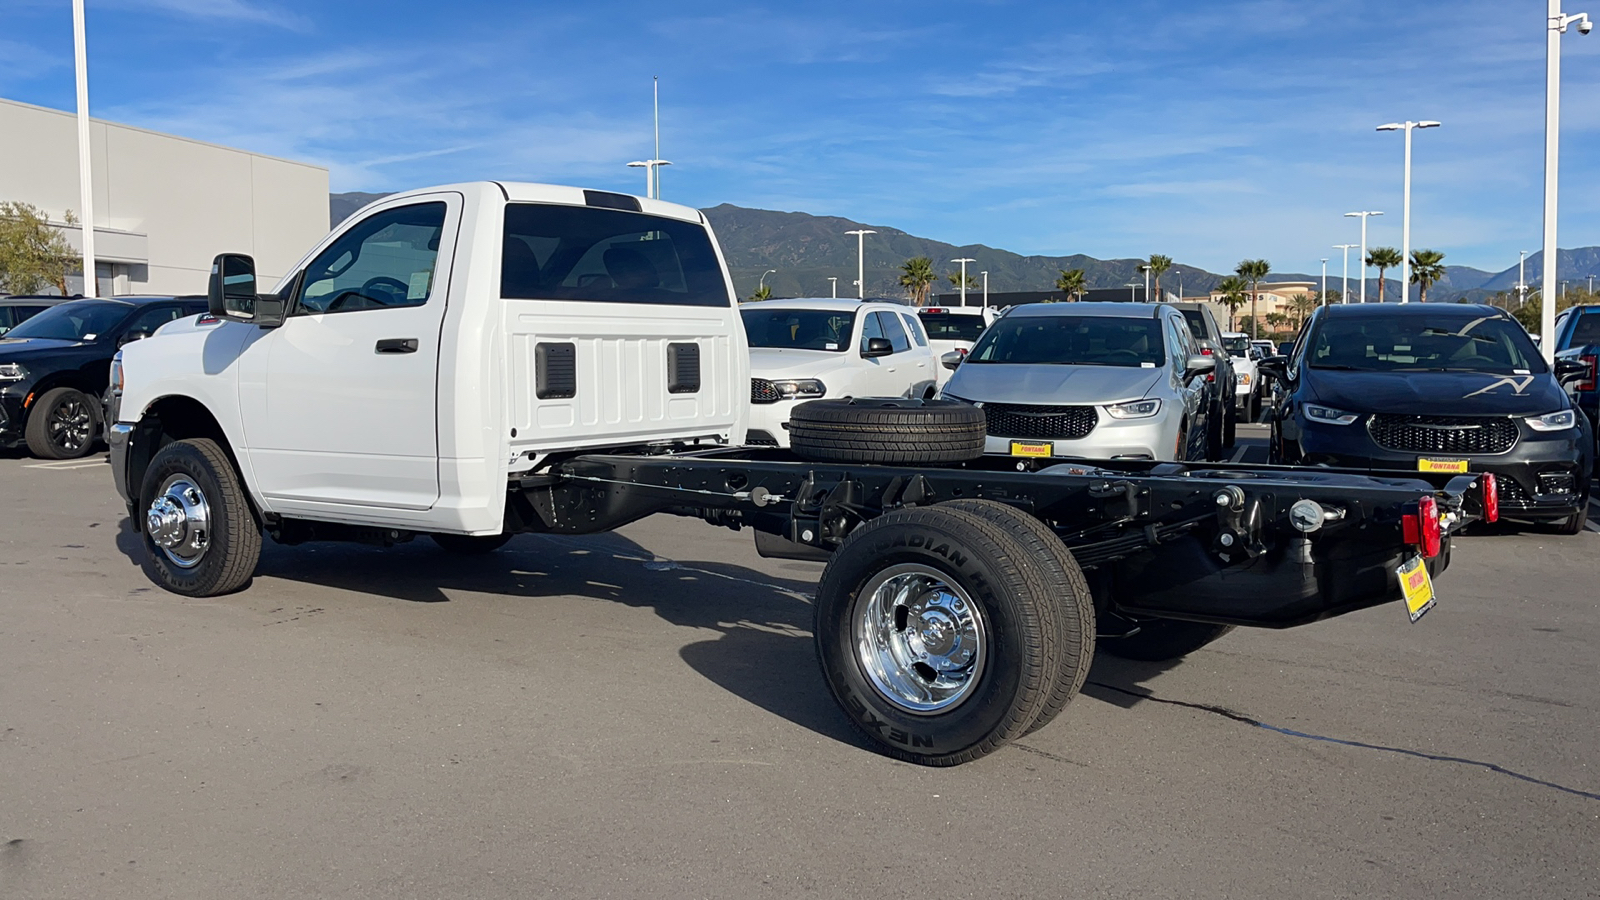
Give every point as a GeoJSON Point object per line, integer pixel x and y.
{"type": "Point", "coordinates": [1089, 380]}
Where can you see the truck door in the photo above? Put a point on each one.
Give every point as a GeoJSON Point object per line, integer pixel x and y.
{"type": "Point", "coordinates": [340, 402]}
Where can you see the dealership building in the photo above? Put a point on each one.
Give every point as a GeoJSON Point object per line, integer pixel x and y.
{"type": "Point", "coordinates": [163, 205]}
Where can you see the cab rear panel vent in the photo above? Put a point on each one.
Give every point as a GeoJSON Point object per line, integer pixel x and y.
{"type": "Point", "coordinates": [555, 371]}
{"type": "Point", "coordinates": [683, 368]}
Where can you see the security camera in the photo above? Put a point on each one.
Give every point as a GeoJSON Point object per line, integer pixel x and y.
{"type": "Point", "coordinates": [1585, 26]}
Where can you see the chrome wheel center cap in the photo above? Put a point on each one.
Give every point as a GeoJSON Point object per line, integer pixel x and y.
{"type": "Point", "coordinates": [166, 523]}
{"type": "Point", "coordinates": [939, 632]}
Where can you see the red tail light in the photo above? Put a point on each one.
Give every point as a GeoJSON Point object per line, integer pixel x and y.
{"type": "Point", "coordinates": [934, 310]}
{"type": "Point", "coordinates": [1592, 379]}
{"type": "Point", "coordinates": [1205, 351]}
{"type": "Point", "coordinates": [1491, 499]}
{"type": "Point", "coordinates": [1421, 529]}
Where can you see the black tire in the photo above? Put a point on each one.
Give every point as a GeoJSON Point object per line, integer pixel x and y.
{"type": "Point", "coordinates": [1214, 433]}
{"type": "Point", "coordinates": [1158, 640]}
{"type": "Point", "coordinates": [469, 545]}
{"type": "Point", "coordinates": [232, 540]}
{"type": "Point", "coordinates": [1230, 428]}
{"type": "Point", "coordinates": [1574, 523]}
{"type": "Point", "coordinates": [977, 564]}
{"type": "Point", "coordinates": [888, 430]}
{"type": "Point", "coordinates": [1073, 607]}
{"type": "Point", "coordinates": [63, 424]}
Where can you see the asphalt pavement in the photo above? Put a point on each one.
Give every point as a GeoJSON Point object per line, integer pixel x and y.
{"type": "Point", "coordinates": [640, 714]}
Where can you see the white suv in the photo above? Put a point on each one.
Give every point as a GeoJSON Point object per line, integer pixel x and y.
{"type": "Point", "coordinates": [954, 329]}
{"type": "Point", "coordinates": [805, 349]}
{"type": "Point", "coordinates": [1247, 379]}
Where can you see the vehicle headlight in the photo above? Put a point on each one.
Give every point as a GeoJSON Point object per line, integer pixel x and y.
{"type": "Point", "coordinates": [1327, 415]}
{"type": "Point", "coordinates": [12, 372]}
{"type": "Point", "coordinates": [807, 388]}
{"type": "Point", "coordinates": [1244, 377]}
{"type": "Point", "coordinates": [1556, 421]}
{"type": "Point", "coordinates": [1138, 409]}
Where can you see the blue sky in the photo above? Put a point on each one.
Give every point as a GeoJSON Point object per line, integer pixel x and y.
{"type": "Point", "coordinates": [1209, 130]}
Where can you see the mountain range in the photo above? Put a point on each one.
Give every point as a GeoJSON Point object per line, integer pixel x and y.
{"type": "Point", "coordinates": [802, 251]}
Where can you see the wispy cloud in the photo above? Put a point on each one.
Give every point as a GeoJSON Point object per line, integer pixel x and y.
{"type": "Point", "coordinates": [234, 10]}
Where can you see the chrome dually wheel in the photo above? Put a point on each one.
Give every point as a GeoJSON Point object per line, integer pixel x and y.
{"type": "Point", "coordinates": [179, 521]}
{"type": "Point", "coordinates": [201, 536]}
{"type": "Point", "coordinates": [919, 638]}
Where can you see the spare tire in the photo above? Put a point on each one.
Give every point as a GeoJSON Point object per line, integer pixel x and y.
{"type": "Point", "coordinates": [888, 430]}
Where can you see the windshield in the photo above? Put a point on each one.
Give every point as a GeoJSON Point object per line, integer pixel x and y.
{"type": "Point", "coordinates": [799, 329]}
{"type": "Point", "coordinates": [952, 327]}
{"type": "Point", "coordinates": [80, 320]}
{"type": "Point", "coordinates": [1071, 341]}
{"type": "Point", "coordinates": [1426, 343]}
{"type": "Point", "coordinates": [1237, 346]}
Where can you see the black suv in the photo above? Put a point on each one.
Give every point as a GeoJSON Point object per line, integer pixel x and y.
{"type": "Point", "coordinates": [1224, 411]}
{"type": "Point", "coordinates": [1438, 388]}
{"type": "Point", "coordinates": [14, 310]}
{"type": "Point", "coordinates": [54, 367]}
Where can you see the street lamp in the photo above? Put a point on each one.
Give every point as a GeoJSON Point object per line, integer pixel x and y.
{"type": "Point", "coordinates": [1133, 291]}
{"type": "Point", "coordinates": [985, 275]}
{"type": "Point", "coordinates": [963, 261]}
{"type": "Point", "coordinates": [1522, 286]}
{"type": "Point", "coordinates": [91, 283]}
{"type": "Point", "coordinates": [1405, 216]}
{"type": "Point", "coordinates": [1363, 260]}
{"type": "Point", "coordinates": [651, 189]}
{"type": "Point", "coordinates": [1324, 297]}
{"type": "Point", "coordinates": [763, 282]}
{"type": "Point", "coordinates": [1555, 26]}
{"type": "Point", "coordinates": [1146, 270]}
{"type": "Point", "coordinates": [1344, 285]}
{"type": "Point", "coordinates": [861, 261]}
{"type": "Point", "coordinates": [833, 285]}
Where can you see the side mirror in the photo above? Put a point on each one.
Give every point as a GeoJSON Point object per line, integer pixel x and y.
{"type": "Point", "coordinates": [1569, 370]}
{"type": "Point", "coordinates": [1276, 366]}
{"type": "Point", "coordinates": [952, 359]}
{"type": "Point", "coordinates": [232, 294]}
{"type": "Point", "coordinates": [877, 347]}
{"type": "Point", "coordinates": [1199, 363]}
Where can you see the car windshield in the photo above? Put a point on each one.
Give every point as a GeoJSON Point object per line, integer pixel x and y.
{"type": "Point", "coordinates": [80, 320]}
{"type": "Point", "coordinates": [1237, 346]}
{"type": "Point", "coordinates": [1424, 343]}
{"type": "Point", "coordinates": [943, 326]}
{"type": "Point", "coordinates": [799, 329]}
{"type": "Point", "coordinates": [1071, 341]}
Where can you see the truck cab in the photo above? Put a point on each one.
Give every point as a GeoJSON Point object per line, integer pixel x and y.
{"type": "Point", "coordinates": [441, 341]}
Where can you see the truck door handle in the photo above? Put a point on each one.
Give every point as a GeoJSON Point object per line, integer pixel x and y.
{"type": "Point", "coordinates": [397, 345]}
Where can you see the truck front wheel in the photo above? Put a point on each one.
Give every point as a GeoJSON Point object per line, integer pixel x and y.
{"type": "Point", "coordinates": [938, 644]}
{"type": "Point", "coordinates": [200, 536]}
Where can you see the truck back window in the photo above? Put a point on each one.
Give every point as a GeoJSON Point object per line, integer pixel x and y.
{"type": "Point", "coordinates": [607, 256]}
{"type": "Point", "coordinates": [952, 326]}
{"type": "Point", "coordinates": [1586, 330]}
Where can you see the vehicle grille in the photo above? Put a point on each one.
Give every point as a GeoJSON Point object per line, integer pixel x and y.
{"type": "Point", "coordinates": [1040, 422]}
{"type": "Point", "coordinates": [1470, 435]}
{"type": "Point", "coordinates": [1557, 483]}
{"type": "Point", "coordinates": [1511, 492]}
{"type": "Point", "coordinates": [762, 391]}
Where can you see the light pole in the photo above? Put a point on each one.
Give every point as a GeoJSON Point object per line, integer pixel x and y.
{"type": "Point", "coordinates": [1363, 259]}
{"type": "Point", "coordinates": [1344, 285]}
{"type": "Point", "coordinates": [1324, 282]}
{"type": "Point", "coordinates": [1133, 292]}
{"type": "Point", "coordinates": [1555, 26]}
{"type": "Point", "coordinates": [861, 261]}
{"type": "Point", "coordinates": [963, 261]}
{"type": "Point", "coordinates": [1405, 215]}
{"type": "Point", "coordinates": [763, 282]}
{"type": "Point", "coordinates": [80, 53]}
{"type": "Point", "coordinates": [652, 178]}
{"type": "Point", "coordinates": [1591, 284]}
{"type": "Point", "coordinates": [1522, 285]}
{"type": "Point", "coordinates": [986, 288]}
{"type": "Point", "coordinates": [833, 285]}
{"type": "Point", "coordinates": [1146, 283]}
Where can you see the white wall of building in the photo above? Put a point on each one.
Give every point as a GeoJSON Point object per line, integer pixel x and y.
{"type": "Point", "coordinates": [163, 205]}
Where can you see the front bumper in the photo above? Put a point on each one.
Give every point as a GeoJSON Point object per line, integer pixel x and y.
{"type": "Point", "coordinates": [769, 423]}
{"type": "Point", "coordinates": [1545, 477]}
{"type": "Point", "coordinates": [119, 441]}
{"type": "Point", "coordinates": [12, 417]}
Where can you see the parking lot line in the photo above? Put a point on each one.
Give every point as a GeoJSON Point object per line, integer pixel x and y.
{"type": "Point", "coordinates": [1239, 453]}
{"type": "Point", "coordinates": [66, 464]}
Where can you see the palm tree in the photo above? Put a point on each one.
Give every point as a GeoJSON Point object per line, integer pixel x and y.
{"type": "Point", "coordinates": [1253, 270]}
{"type": "Point", "coordinates": [1427, 267]}
{"type": "Point", "coordinates": [917, 278]}
{"type": "Point", "coordinates": [1072, 283]}
{"type": "Point", "coordinates": [1233, 294]}
{"type": "Point", "coordinates": [761, 293]}
{"type": "Point", "coordinates": [955, 280]}
{"type": "Point", "coordinates": [1302, 304]}
{"type": "Point", "coordinates": [1158, 266]}
{"type": "Point", "coordinates": [1382, 259]}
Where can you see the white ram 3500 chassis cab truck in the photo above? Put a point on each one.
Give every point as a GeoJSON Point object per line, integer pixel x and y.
{"type": "Point", "coordinates": [476, 361]}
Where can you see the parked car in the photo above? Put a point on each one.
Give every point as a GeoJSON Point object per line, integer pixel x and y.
{"type": "Point", "coordinates": [809, 348]}
{"type": "Point", "coordinates": [1263, 345]}
{"type": "Point", "coordinates": [954, 329]}
{"type": "Point", "coordinates": [14, 310]}
{"type": "Point", "coordinates": [55, 366]}
{"type": "Point", "coordinates": [1578, 342]}
{"type": "Point", "coordinates": [1437, 388]}
{"type": "Point", "coordinates": [1090, 380]}
{"type": "Point", "coordinates": [1247, 383]}
{"type": "Point", "coordinates": [1284, 349]}
{"type": "Point", "coordinates": [1224, 414]}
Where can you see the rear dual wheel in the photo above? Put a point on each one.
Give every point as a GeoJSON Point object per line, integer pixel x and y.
{"type": "Point", "coordinates": [947, 632]}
